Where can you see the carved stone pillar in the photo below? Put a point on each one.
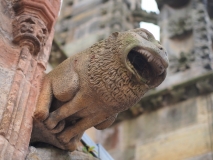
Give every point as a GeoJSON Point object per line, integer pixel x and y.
{"type": "Point", "coordinates": [186, 35]}
{"type": "Point", "coordinates": [32, 30]}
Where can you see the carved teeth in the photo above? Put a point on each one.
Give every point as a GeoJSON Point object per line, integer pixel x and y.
{"type": "Point", "coordinates": [150, 59]}
{"type": "Point", "coordinates": [154, 61]}
{"type": "Point", "coordinates": [129, 64]}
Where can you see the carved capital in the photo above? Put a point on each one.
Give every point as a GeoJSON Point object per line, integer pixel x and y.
{"type": "Point", "coordinates": [46, 10]}
{"type": "Point", "coordinates": [34, 22]}
{"type": "Point", "coordinates": [30, 31]}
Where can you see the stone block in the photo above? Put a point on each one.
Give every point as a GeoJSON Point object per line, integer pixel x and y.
{"type": "Point", "coordinates": [52, 153]}
{"type": "Point", "coordinates": [177, 145]}
{"type": "Point", "coordinates": [207, 156]}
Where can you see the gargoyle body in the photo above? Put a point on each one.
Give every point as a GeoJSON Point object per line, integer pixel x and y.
{"type": "Point", "coordinates": [90, 88]}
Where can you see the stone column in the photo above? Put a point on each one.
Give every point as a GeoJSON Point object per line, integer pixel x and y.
{"type": "Point", "coordinates": [26, 48]}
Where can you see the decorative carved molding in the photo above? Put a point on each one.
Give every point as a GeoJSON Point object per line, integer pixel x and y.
{"type": "Point", "coordinates": [45, 10]}
{"type": "Point", "coordinates": [32, 31]}
{"type": "Point", "coordinates": [196, 25]}
{"type": "Point", "coordinates": [202, 35]}
{"type": "Point", "coordinates": [181, 63]}
{"type": "Point", "coordinates": [180, 27]}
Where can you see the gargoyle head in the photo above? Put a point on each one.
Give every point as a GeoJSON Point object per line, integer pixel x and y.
{"type": "Point", "coordinates": [144, 56]}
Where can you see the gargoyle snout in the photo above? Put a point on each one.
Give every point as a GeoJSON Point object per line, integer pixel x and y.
{"type": "Point", "coordinates": [164, 55]}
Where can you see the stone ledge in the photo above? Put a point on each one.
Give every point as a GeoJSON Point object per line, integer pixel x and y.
{"type": "Point", "coordinates": [156, 99]}
{"type": "Point", "coordinates": [53, 153]}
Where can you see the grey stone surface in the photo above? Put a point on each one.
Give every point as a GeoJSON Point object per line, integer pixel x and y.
{"type": "Point", "coordinates": [52, 153]}
{"type": "Point", "coordinates": [208, 156]}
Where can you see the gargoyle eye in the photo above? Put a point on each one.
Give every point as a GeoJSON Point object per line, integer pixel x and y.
{"type": "Point", "coordinates": [145, 36]}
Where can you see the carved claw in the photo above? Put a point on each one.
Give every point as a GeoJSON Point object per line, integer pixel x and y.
{"type": "Point", "coordinates": [72, 145]}
{"type": "Point", "coordinates": [51, 122]}
{"type": "Point", "coordinates": [41, 115]}
{"type": "Point", "coordinates": [59, 127]}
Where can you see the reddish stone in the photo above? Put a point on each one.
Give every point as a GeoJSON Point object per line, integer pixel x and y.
{"type": "Point", "coordinates": [23, 62]}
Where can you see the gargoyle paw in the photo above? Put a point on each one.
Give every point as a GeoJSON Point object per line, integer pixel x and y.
{"type": "Point", "coordinates": [41, 115]}
{"type": "Point", "coordinates": [72, 145]}
{"type": "Point", "coordinates": [50, 122]}
{"type": "Point", "coordinates": [63, 139]}
{"type": "Point", "coordinates": [59, 127]}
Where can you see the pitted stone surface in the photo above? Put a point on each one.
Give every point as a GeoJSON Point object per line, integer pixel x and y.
{"type": "Point", "coordinates": [5, 82]}
{"type": "Point", "coordinates": [52, 153]}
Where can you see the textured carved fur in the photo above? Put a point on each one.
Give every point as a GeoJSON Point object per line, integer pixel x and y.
{"type": "Point", "coordinates": [92, 87]}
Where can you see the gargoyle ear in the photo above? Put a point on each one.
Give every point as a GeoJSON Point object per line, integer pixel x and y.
{"type": "Point", "coordinates": [115, 34]}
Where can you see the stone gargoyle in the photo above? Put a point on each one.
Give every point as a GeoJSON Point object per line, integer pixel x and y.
{"type": "Point", "coordinates": [90, 88]}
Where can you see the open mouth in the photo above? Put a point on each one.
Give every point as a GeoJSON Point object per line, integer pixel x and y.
{"type": "Point", "coordinates": [145, 65]}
